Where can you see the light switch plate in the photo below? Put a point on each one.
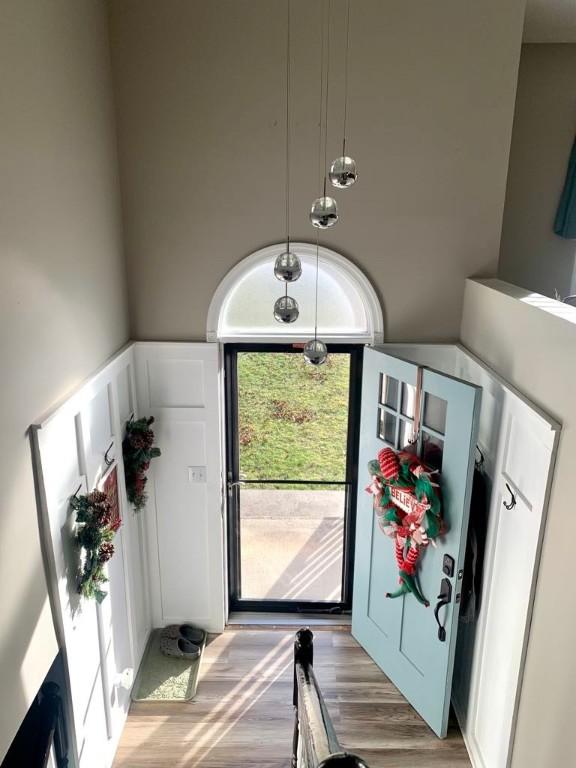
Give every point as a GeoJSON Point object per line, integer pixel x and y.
{"type": "Point", "coordinates": [197, 474]}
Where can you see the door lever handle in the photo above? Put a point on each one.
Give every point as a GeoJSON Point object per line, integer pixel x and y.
{"type": "Point", "coordinates": [444, 598]}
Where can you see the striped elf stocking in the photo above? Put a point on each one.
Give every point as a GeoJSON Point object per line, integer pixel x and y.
{"type": "Point", "coordinates": [409, 564]}
{"type": "Point", "coordinates": [407, 568]}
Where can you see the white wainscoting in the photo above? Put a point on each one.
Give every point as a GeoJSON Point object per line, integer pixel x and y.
{"type": "Point", "coordinates": [170, 566]}
{"type": "Point", "coordinates": [169, 563]}
{"type": "Point", "coordinates": [100, 642]}
{"type": "Point", "coordinates": [518, 443]}
{"type": "Point", "coordinates": [180, 385]}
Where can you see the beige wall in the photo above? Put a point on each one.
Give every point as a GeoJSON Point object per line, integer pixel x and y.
{"type": "Point", "coordinates": [62, 286]}
{"type": "Point", "coordinates": [200, 94]}
{"type": "Point", "coordinates": [531, 254]}
{"type": "Point", "coordinates": [537, 355]}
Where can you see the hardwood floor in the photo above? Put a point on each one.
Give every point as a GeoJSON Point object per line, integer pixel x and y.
{"type": "Point", "coordinates": [243, 716]}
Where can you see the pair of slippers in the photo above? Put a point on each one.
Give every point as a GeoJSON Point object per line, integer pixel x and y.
{"type": "Point", "coordinates": [183, 641]}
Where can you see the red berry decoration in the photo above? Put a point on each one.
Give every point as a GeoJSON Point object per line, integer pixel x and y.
{"type": "Point", "coordinates": [137, 449]}
{"type": "Point", "coordinates": [389, 464]}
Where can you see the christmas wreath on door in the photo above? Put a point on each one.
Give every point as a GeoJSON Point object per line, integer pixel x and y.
{"type": "Point", "coordinates": [408, 508]}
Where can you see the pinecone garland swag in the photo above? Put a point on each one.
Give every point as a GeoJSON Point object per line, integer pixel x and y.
{"type": "Point", "coordinates": [96, 529]}
{"type": "Point", "coordinates": [137, 451]}
{"type": "Point", "coordinates": [407, 504]}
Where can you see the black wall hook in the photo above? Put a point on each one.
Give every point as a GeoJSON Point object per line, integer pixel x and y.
{"type": "Point", "coordinates": [512, 503]}
{"type": "Point", "coordinates": [108, 461]}
{"type": "Point", "coordinates": [479, 462]}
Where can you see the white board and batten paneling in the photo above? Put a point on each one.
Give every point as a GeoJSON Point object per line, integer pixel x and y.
{"type": "Point", "coordinates": [179, 384]}
{"type": "Point", "coordinates": [169, 564]}
{"type": "Point", "coordinates": [518, 443]}
{"type": "Point", "coordinates": [521, 462]}
{"type": "Point", "coordinates": [73, 448]}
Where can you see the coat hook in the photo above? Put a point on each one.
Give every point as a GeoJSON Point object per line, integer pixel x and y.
{"type": "Point", "coordinates": [108, 461]}
{"type": "Point", "coordinates": [479, 462]}
{"type": "Point", "coordinates": [512, 503]}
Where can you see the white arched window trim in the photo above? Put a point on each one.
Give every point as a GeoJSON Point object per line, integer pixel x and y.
{"type": "Point", "coordinates": [350, 275]}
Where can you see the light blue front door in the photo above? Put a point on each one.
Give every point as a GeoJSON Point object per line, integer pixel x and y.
{"type": "Point", "coordinates": [402, 635]}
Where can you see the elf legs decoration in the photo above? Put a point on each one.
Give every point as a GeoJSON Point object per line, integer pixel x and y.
{"type": "Point", "coordinates": [407, 569]}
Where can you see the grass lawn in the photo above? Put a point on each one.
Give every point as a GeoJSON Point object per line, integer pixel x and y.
{"type": "Point", "coordinates": [293, 418]}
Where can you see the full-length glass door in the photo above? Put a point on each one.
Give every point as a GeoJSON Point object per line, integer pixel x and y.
{"type": "Point", "coordinates": [291, 436]}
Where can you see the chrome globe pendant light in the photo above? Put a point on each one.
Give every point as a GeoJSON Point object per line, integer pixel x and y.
{"type": "Point", "coordinates": [315, 350]}
{"type": "Point", "coordinates": [343, 171]}
{"type": "Point", "coordinates": [286, 309]}
{"type": "Point", "coordinates": [287, 266]}
{"type": "Point", "coordinates": [324, 211]}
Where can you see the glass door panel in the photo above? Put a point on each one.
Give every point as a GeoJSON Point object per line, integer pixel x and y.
{"type": "Point", "coordinates": [292, 417]}
{"type": "Point", "coordinates": [291, 445]}
{"type": "Point", "coordinates": [291, 542]}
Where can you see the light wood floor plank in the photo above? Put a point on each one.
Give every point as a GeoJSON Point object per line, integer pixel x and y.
{"type": "Point", "coordinates": [242, 714]}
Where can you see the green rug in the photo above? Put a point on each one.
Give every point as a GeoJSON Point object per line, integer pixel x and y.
{"type": "Point", "coordinates": [165, 678]}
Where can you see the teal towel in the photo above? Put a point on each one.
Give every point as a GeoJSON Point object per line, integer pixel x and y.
{"type": "Point", "coordinates": [565, 223]}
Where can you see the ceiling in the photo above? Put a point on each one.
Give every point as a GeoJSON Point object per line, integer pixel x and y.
{"type": "Point", "coordinates": [550, 21]}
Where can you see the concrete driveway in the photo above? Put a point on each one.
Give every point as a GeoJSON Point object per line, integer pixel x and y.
{"type": "Point", "coordinates": [291, 544]}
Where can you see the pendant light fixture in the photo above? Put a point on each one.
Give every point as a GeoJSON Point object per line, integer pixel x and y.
{"type": "Point", "coordinates": [288, 266]}
{"type": "Point", "coordinates": [315, 351]}
{"type": "Point", "coordinates": [343, 170]}
{"type": "Point", "coordinates": [286, 309]}
{"type": "Point", "coordinates": [324, 211]}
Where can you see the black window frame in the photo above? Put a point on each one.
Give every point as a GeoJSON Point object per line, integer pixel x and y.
{"type": "Point", "coordinates": [236, 603]}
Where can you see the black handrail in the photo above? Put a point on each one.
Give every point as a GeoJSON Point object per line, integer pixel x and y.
{"type": "Point", "coordinates": [42, 730]}
{"type": "Point", "coordinates": [315, 744]}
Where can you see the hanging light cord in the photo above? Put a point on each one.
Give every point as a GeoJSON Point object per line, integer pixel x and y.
{"type": "Point", "coordinates": [324, 74]}
{"type": "Point", "coordinates": [288, 102]}
{"type": "Point", "coordinates": [316, 296]}
{"type": "Point", "coordinates": [287, 125]}
{"type": "Point", "coordinates": [326, 94]}
{"type": "Point", "coordinates": [320, 117]}
{"type": "Point", "coordinates": [346, 78]}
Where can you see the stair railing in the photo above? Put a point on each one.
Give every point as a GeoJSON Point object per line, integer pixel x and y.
{"type": "Point", "coordinates": [315, 744]}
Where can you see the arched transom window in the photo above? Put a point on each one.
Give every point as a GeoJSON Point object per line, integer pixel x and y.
{"type": "Point", "coordinates": [348, 307]}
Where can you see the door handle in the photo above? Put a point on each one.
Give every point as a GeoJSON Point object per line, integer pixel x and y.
{"type": "Point", "coordinates": [234, 484]}
{"type": "Point", "coordinates": [444, 598]}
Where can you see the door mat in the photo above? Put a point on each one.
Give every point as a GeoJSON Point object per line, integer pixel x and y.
{"type": "Point", "coordinates": [165, 678]}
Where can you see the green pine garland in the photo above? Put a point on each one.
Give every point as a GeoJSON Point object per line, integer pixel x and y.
{"type": "Point", "coordinates": [96, 530]}
{"type": "Point", "coordinates": [138, 450]}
